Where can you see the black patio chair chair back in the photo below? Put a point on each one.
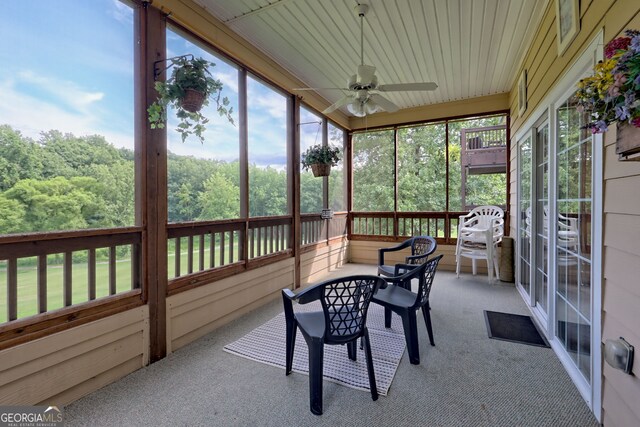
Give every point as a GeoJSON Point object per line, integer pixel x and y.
{"type": "Point", "coordinates": [344, 303]}
{"type": "Point", "coordinates": [399, 298]}
{"type": "Point", "coordinates": [421, 248]}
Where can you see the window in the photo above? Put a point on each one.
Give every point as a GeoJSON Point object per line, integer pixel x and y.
{"type": "Point", "coordinates": [477, 163]}
{"type": "Point", "coordinates": [422, 168]}
{"type": "Point", "coordinates": [204, 179]}
{"type": "Point", "coordinates": [267, 121]}
{"type": "Point", "coordinates": [337, 181]}
{"type": "Point", "coordinates": [66, 128]}
{"type": "Point", "coordinates": [66, 150]}
{"type": "Point", "coordinates": [310, 186]}
{"type": "Point", "coordinates": [373, 171]}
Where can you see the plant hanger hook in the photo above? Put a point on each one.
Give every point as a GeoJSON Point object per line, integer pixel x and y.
{"type": "Point", "coordinates": [157, 70]}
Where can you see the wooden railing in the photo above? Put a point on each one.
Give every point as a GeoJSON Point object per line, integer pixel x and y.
{"type": "Point", "coordinates": [338, 225]}
{"type": "Point", "coordinates": [313, 229]}
{"type": "Point", "coordinates": [194, 247]}
{"type": "Point", "coordinates": [206, 246]}
{"type": "Point", "coordinates": [391, 226]}
{"type": "Point", "coordinates": [50, 271]}
{"type": "Point", "coordinates": [268, 236]}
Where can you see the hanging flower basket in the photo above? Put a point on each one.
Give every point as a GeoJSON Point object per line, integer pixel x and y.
{"type": "Point", "coordinates": [193, 100]}
{"type": "Point", "coordinates": [320, 169]}
{"type": "Point", "coordinates": [320, 158]}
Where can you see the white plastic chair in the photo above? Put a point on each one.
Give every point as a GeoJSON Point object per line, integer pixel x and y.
{"type": "Point", "coordinates": [568, 235]}
{"type": "Point", "coordinates": [479, 233]}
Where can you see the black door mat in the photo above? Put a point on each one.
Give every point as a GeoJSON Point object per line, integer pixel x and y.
{"type": "Point", "coordinates": [514, 328]}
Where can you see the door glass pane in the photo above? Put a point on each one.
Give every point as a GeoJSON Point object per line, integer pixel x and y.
{"type": "Point", "coordinates": [542, 207]}
{"type": "Point", "coordinates": [524, 211]}
{"type": "Point", "coordinates": [572, 224]}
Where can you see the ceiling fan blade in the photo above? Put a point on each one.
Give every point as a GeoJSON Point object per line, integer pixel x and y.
{"type": "Point", "coordinates": [384, 103]}
{"type": "Point", "coordinates": [408, 86]}
{"type": "Point", "coordinates": [319, 88]}
{"type": "Point", "coordinates": [340, 103]}
{"type": "Point", "coordinates": [365, 74]}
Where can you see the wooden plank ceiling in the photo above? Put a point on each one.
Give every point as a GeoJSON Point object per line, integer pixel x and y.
{"type": "Point", "coordinates": [470, 48]}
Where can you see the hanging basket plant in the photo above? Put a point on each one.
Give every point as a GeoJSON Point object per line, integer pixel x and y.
{"type": "Point", "coordinates": [189, 88]}
{"type": "Point", "coordinates": [320, 158]}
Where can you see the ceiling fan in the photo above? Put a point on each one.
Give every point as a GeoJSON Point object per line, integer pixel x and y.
{"type": "Point", "coordinates": [363, 86]}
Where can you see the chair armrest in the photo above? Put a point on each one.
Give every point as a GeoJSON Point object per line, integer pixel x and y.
{"type": "Point", "coordinates": [307, 295]}
{"type": "Point", "coordinates": [382, 251]}
{"type": "Point", "coordinates": [288, 294]}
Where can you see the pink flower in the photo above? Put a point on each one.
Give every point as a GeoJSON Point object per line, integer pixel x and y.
{"type": "Point", "coordinates": [636, 122]}
{"type": "Point", "coordinates": [621, 43]}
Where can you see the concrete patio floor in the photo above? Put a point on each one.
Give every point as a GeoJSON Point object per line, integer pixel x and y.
{"type": "Point", "coordinates": [467, 379]}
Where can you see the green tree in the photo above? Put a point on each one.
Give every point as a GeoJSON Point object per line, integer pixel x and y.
{"type": "Point", "coordinates": [12, 214]}
{"type": "Point", "coordinates": [220, 198]}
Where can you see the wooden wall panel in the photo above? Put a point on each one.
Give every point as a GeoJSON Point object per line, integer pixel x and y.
{"type": "Point", "coordinates": [194, 313]}
{"type": "Point", "coordinates": [366, 252]}
{"type": "Point", "coordinates": [65, 366]}
{"type": "Point", "coordinates": [320, 261]}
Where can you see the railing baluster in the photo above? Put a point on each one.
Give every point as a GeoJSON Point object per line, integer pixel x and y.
{"type": "Point", "coordinates": [222, 236]}
{"type": "Point", "coordinates": [177, 260]}
{"type": "Point", "coordinates": [91, 267]}
{"type": "Point", "coordinates": [112, 270]}
{"type": "Point", "coordinates": [259, 240]}
{"type": "Point", "coordinates": [271, 240]}
{"type": "Point", "coordinates": [67, 277]}
{"type": "Point", "coordinates": [189, 254]}
{"type": "Point", "coordinates": [213, 249]}
{"type": "Point", "coordinates": [42, 283]}
{"type": "Point", "coordinates": [231, 236]}
{"type": "Point", "coordinates": [201, 252]}
{"type": "Point", "coordinates": [251, 243]}
{"type": "Point", "coordinates": [12, 289]}
{"type": "Point", "coordinates": [281, 230]}
{"type": "Point", "coordinates": [265, 241]}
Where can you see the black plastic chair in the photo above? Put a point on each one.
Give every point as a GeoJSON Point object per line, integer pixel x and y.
{"type": "Point", "coordinates": [399, 299]}
{"type": "Point", "coordinates": [345, 302]}
{"type": "Point", "coordinates": [421, 248]}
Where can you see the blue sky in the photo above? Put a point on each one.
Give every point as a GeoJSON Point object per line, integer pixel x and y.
{"type": "Point", "coordinates": [53, 78]}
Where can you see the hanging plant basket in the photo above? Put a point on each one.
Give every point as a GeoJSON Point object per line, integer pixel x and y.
{"type": "Point", "coordinates": [320, 169]}
{"type": "Point", "coordinates": [193, 100]}
{"type": "Point", "coordinates": [628, 142]}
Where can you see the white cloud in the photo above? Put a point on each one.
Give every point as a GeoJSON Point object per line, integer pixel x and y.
{"type": "Point", "coordinates": [32, 115]}
{"type": "Point", "coordinates": [121, 12]}
{"type": "Point", "coordinates": [229, 80]}
{"type": "Point", "coordinates": [66, 92]}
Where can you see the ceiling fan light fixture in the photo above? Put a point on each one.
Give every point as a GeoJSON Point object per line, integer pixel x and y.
{"type": "Point", "coordinates": [357, 109]}
{"type": "Point", "coordinates": [362, 108]}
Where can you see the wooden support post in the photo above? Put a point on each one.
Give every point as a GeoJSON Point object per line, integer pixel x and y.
{"type": "Point", "coordinates": [244, 165]}
{"type": "Point", "coordinates": [293, 178]}
{"type": "Point", "coordinates": [151, 177]}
